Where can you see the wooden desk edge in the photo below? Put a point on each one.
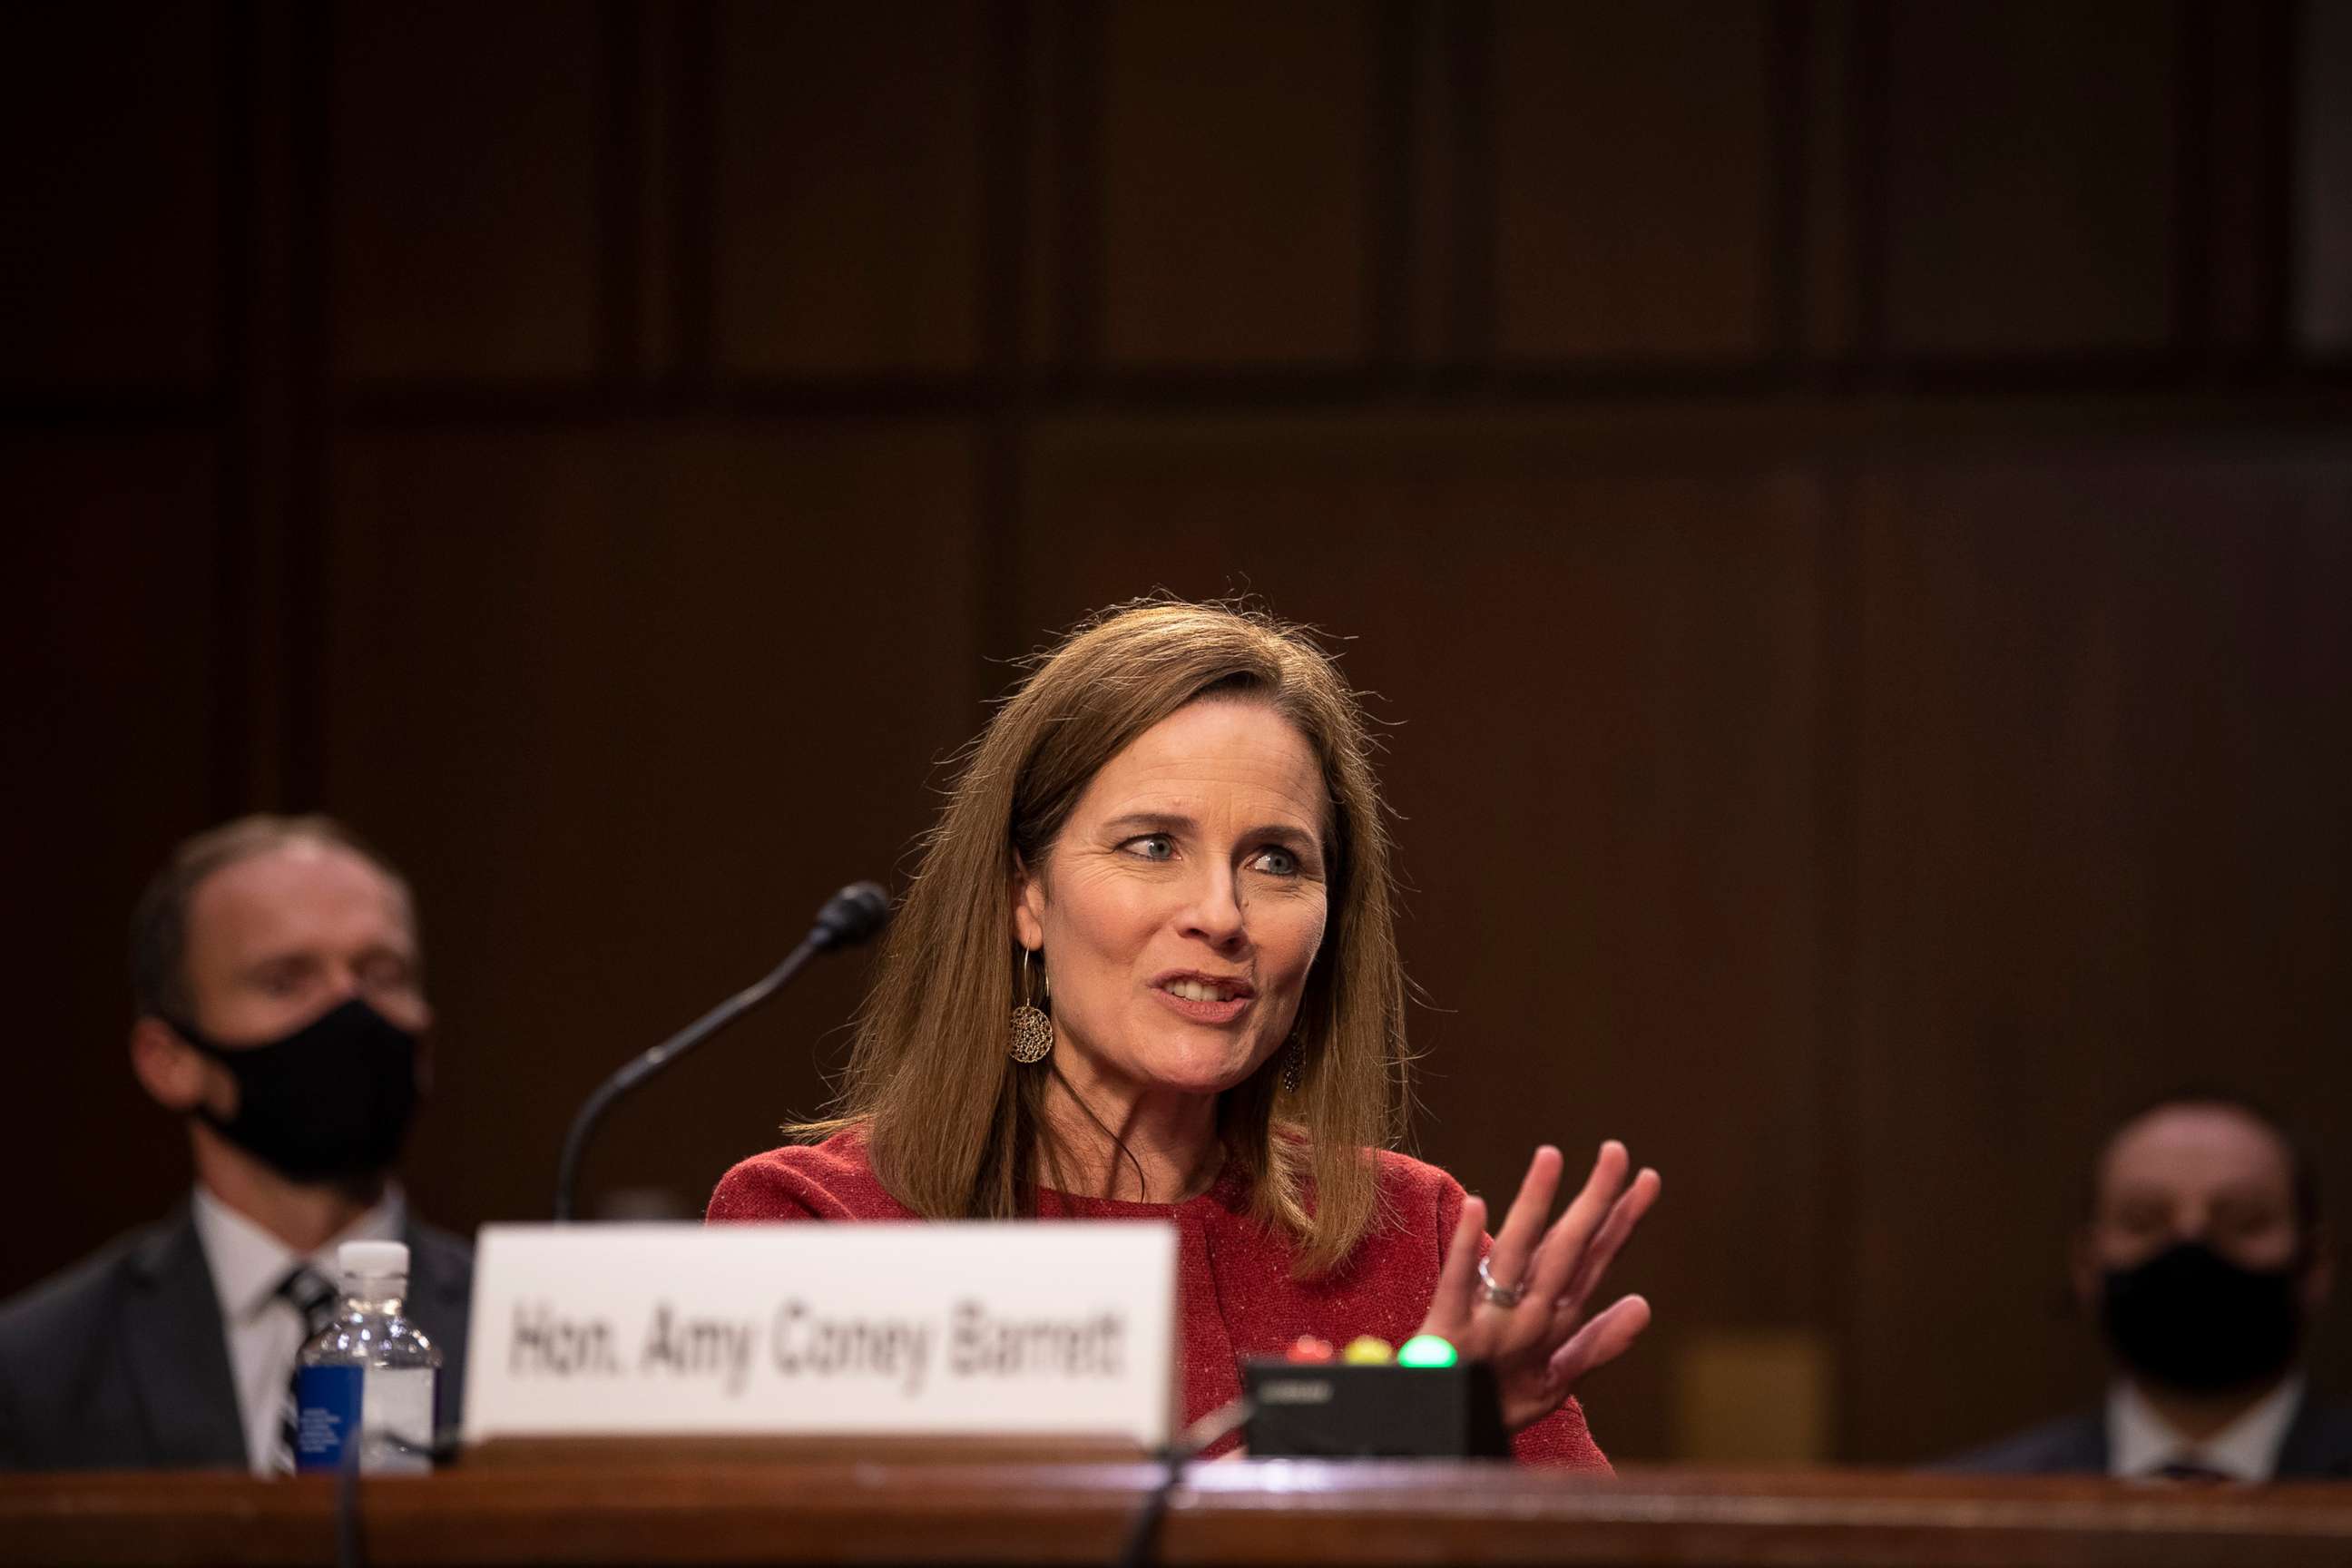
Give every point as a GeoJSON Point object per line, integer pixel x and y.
{"type": "Point", "coordinates": [685, 1509]}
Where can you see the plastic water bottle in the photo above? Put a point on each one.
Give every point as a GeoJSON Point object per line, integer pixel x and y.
{"type": "Point", "coordinates": [368, 1377]}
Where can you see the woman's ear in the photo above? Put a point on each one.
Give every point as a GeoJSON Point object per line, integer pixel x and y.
{"type": "Point", "coordinates": [1028, 907]}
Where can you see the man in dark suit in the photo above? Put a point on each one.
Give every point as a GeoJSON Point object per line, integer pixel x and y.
{"type": "Point", "coordinates": [280, 1004]}
{"type": "Point", "coordinates": [2204, 1262]}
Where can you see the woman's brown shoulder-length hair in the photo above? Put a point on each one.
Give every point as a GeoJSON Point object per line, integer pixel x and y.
{"type": "Point", "coordinates": [953, 1125]}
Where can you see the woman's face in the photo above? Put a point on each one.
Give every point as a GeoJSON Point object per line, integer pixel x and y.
{"type": "Point", "coordinates": [1180, 908]}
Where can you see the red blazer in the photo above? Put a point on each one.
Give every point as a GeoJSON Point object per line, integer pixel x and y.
{"type": "Point", "coordinates": [1238, 1298]}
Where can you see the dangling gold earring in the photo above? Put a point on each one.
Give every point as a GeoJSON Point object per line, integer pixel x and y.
{"type": "Point", "coordinates": [1033, 1031]}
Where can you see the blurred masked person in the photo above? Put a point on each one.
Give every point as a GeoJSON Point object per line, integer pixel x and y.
{"type": "Point", "coordinates": [279, 1006]}
{"type": "Point", "coordinates": [2205, 1265]}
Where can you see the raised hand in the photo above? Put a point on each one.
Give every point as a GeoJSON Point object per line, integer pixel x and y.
{"type": "Point", "coordinates": [1526, 1317]}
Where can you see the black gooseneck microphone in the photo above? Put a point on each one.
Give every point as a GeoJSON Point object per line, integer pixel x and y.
{"type": "Point", "coordinates": [848, 918]}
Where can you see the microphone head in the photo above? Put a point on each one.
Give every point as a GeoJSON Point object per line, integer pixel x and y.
{"type": "Point", "coordinates": [852, 915]}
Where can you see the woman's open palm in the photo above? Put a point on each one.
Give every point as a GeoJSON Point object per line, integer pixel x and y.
{"type": "Point", "coordinates": [1527, 1318]}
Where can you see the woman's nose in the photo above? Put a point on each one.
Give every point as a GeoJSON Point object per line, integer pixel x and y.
{"type": "Point", "coordinates": [1216, 914]}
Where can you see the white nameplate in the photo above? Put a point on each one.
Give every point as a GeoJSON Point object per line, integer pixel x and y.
{"type": "Point", "coordinates": [1035, 1330]}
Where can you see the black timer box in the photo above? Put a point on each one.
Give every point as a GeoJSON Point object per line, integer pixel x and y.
{"type": "Point", "coordinates": [1339, 1410]}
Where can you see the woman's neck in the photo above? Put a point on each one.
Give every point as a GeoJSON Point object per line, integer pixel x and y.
{"type": "Point", "coordinates": [1112, 1141]}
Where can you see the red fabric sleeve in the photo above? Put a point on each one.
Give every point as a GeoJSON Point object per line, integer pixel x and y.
{"type": "Point", "coordinates": [757, 1190]}
{"type": "Point", "coordinates": [828, 1181]}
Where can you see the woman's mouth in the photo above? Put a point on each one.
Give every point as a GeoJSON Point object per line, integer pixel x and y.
{"type": "Point", "coordinates": [1204, 998]}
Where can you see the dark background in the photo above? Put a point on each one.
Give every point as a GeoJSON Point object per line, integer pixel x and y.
{"type": "Point", "coordinates": [1847, 507]}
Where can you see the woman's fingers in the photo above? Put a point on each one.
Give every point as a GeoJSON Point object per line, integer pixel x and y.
{"type": "Point", "coordinates": [1623, 1215]}
{"type": "Point", "coordinates": [1600, 1342]}
{"type": "Point", "coordinates": [1449, 1310]}
{"type": "Point", "coordinates": [1512, 1256]}
{"type": "Point", "coordinates": [1557, 1265]}
{"type": "Point", "coordinates": [1557, 1260]}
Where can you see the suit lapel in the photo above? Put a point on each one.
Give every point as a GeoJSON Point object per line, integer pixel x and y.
{"type": "Point", "coordinates": [177, 1354]}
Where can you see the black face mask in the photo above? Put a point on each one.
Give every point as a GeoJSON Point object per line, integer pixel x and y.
{"type": "Point", "coordinates": [2191, 1319]}
{"type": "Point", "coordinates": [332, 1101]}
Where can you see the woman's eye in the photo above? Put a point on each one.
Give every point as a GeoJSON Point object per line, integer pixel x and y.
{"type": "Point", "coordinates": [1152, 847]}
{"type": "Point", "coordinates": [1276, 862]}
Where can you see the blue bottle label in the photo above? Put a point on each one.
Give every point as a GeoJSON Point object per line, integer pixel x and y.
{"type": "Point", "coordinates": [326, 1416]}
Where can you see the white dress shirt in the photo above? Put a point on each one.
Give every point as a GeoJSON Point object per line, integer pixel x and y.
{"type": "Point", "coordinates": [263, 1331]}
{"type": "Point", "coordinates": [2140, 1442]}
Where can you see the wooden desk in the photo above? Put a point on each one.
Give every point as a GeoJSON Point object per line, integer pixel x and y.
{"type": "Point", "coordinates": [1272, 1515]}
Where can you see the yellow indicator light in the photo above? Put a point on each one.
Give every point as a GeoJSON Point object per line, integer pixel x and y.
{"type": "Point", "coordinates": [1366, 1351]}
{"type": "Point", "coordinates": [1426, 1350]}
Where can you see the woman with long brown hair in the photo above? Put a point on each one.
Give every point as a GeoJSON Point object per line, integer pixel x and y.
{"type": "Point", "coordinates": [1147, 968]}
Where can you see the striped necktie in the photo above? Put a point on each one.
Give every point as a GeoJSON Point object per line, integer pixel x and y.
{"type": "Point", "coordinates": [310, 1294]}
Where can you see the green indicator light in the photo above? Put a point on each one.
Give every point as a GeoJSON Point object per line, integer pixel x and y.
{"type": "Point", "coordinates": [1426, 1350]}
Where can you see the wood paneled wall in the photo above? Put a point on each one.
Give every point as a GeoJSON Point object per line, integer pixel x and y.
{"type": "Point", "coordinates": [1847, 507]}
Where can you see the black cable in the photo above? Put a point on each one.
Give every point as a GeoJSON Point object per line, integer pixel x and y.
{"type": "Point", "coordinates": [639, 1068]}
{"type": "Point", "coordinates": [849, 917]}
{"type": "Point", "coordinates": [351, 1549]}
{"type": "Point", "coordinates": [351, 1542]}
{"type": "Point", "coordinates": [1209, 1430]}
{"type": "Point", "coordinates": [441, 1452]}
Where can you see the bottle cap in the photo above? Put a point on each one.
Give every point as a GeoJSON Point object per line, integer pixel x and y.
{"type": "Point", "coordinates": [372, 1259]}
